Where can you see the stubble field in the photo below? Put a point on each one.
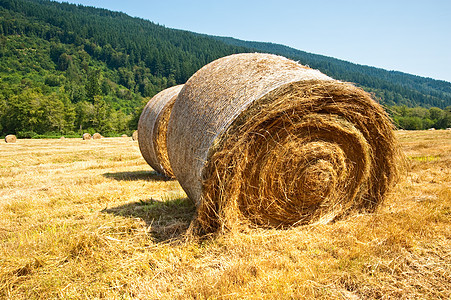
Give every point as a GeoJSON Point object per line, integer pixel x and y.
{"type": "Point", "coordinates": [90, 219]}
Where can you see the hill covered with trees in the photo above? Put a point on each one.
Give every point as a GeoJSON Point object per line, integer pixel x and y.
{"type": "Point", "coordinates": [391, 87]}
{"type": "Point", "coordinates": [67, 69]}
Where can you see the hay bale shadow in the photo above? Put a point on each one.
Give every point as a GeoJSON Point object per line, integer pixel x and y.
{"type": "Point", "coordinates": [137, 175]}
{"type": "Point", "coordinates": [167, 220]}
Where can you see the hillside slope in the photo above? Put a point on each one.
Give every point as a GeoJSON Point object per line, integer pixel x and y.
{"type": "Point", "coordinates": [67, 69]}
{"type": "Point", "coordinates": [391, 87]}
{"type": "Point", "coordinates": [92, 66]}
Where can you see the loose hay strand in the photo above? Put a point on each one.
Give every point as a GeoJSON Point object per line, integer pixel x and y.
{"type": "Point", "coordinates": [259, 140]}
{"type": "Point", "coordinates": [152, 130]}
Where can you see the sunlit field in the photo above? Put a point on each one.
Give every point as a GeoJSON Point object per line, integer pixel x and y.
{"type": "Point", "coordinates": [90, 219]}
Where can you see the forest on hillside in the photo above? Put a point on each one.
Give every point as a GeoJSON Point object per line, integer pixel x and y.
{"type": "Point", "coordinates": [68, 69]}
{"type": "Point", "coordinates": [390, 87]}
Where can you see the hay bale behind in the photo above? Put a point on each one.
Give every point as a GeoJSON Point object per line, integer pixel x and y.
{"type": "Point", "coordinates": [152, 130]}
{"type": "Point", "coordinates": [258, 139]}
{"type": "Point", "coordinates": [96, 136]}
{"type": "Point", "coordinates": [10, 138]}
{"type": "Point", "coordinates": [135, 135]}
{"type": "Point", "coordinates": [86, 136]}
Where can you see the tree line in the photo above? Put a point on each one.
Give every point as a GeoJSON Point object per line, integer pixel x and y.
{"type": "Point", "coordinates": [420, 118]}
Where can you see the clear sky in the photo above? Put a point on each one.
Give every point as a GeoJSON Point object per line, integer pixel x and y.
{"type": "Point", "coordinates": [411, 36]}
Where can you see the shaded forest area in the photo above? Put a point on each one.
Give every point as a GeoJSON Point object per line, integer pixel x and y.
{"type": "Point", "coordinates": [68, 69]}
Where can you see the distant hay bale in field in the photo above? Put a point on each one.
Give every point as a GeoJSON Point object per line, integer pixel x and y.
{"type": "Point", "coordinates": [10, 138]}
{"type": "Point", "coordinates": [96, 136]}
{"type": "Point", "coordinates": [260, 140]}
{"type": "Point", "coordinates": [62, 138]}
{"type": "Point", "coordinates": [86, 136]}
{"type": "Point", "coordinates": [124, 135]}
{"type": "Point", "coordinates": [152, 130]}
{"type": "Point", "coordinates": [135, 135]}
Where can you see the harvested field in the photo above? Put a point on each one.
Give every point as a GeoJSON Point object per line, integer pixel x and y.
{"type": "Point", "coordinates": [91, 220]}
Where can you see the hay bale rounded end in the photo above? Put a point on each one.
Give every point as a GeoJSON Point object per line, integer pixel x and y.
{"type": "Point", "coordinates": [152, 130]}
{"type": "Point", "coordinates": [96, 136]}
{"type": "Point", "coordinates": [135, 135]}
{"type": "Point", "coordinates": [86, 136]}
{"type": "Point", "coordinates": [10, 139]}
{"type": "Point", "coordinates": [260, 140]}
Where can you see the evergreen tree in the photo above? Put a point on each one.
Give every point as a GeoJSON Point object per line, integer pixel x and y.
{"type": "Point", "coordinates": [93, 85]}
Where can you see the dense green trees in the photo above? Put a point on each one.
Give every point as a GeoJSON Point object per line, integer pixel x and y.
{"type": "Point", "coordinates": [418, 118]}
{"type": "Point", "coordinates": [390, 87]}
{"type": "Point", "coordinates": [32, 112]}
{"type": "Point", "coordinates": [99, 67]}
{"type": "Point", "coordinates": [66, 69]}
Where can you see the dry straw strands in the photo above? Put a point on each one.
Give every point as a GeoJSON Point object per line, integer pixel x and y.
{"type": "Point", "coordinates": [86, 136]}
{"type": "Point", "coordinates": [10, 138]}
{"type": "Point", "coordinates": [257, 139]}
{"type": "Point", "coordinates": [96, 136]}
{"type": "Point", "coordinates": [152, 130]}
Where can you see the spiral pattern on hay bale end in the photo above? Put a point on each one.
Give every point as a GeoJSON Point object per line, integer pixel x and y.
{"type": "Point", "coordinates": [10, 138]}
{"type": "Point", "coordinates": [86, 136]}
{"type": "Point", "coordinates": [260, 140]}
{"type": "Point", "coordinates": [152, 130]}
{"type": "Point", "coordinates": [96, 136]}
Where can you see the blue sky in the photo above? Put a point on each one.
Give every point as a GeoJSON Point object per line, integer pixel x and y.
{"type": "Point", "coordinates": [409, 36]}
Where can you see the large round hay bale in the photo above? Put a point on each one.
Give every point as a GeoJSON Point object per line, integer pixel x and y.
{"type": "Point", "coordinates": [96, 136]}
{"type": "Point", "coordinates": [10, 138]}
{"type": "Point", "coordinates": [86, 136]}
{"type": "Point", "coordinates": [135, 135]}
{"type": "Point", "coordinates": [152, 130]}
{"type": "Point", "coordinates": [258, 139]}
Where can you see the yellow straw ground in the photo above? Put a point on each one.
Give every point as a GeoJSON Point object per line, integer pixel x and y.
{"type": "Point", "coordinates": [90, 219]}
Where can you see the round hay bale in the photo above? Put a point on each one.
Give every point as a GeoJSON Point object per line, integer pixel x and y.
{"type": "Point", "coordinates": [86, 136]}
{"type": "Point", "coordinates": [260, 140]}
{"type": "Point", "coordinates": [152, 130]}
{"type": "Point", "coordinates": [135, 135]}
{"type": "Point", "coordinates": [124, 135]}
{"type": "Point", "coordinates": [62, 138]}
{"type": "Point", "coordinates": [10, 138]}
{"type": "Point", "coordinates": [96, 136]}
